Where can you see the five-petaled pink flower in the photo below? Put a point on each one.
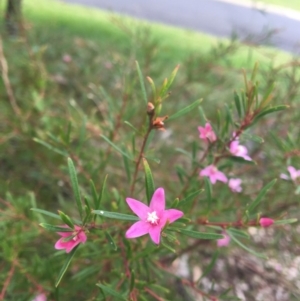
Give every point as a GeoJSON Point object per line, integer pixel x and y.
{"type": "Point", "coordinates": [69, 240]}
{"type": "Point", "coordinates": [213, 173]}
{"type": "Point", "coordinates": [239, 150]}
{"type": "Point", "coordinates": [294, 173]}
{"type": "Point", "coordinates": [266, 222]}
{"type": "Point", "coordinates": [207, 133]}
{"type": "Point", "coordinates": [152, 218]}
{"type": "Point", "coordinates": [223, 242]}
{"type": "Point", "coordinates": [235, 185]}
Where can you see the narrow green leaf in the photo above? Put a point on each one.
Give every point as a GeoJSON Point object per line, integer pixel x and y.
{"type": "Point", "coordinates": [172, 77]}
{"type": "Point", "coordinates": [148, 181]}
{"type": "Point", "coordinates": [55, 228]}
{"type": "Point", "coordinates": [65, 266]}
{"type": "Point", "coordinates": [238, 232]}
{"type": "Point", "coordinates": [46, 213]}
{"type": "Point", "coordinates": [66, 219]}
{"type": "Point", "coordinates": [94, 193]}
{"type": "Point", "coordinates": [185, 110]}
{"type": "Point", "coordinates": [208, 189]}
{"type": "Point", "coordinates": [286, 221]}
{"type": "Point", "coordinates": [133, 127]}
{"type": "Point", "coordinates": [190, 198]}
{"type": "Point", "coordinates": [141, 82]}
{"type": "Point", "coordinates": [152, 84]}
{"type": "Point", "coordinates": [116, 147]}
{"type": "Point", "coordinates": [111, 241]}
{"type": "Point", "coordinates": [237, 104]}
{"type": "Point", "coordinates": [132, 280]}
{"type": "Point", "coordinates": [260, 196]}
{"type": "Point", "coordinates": [74, 182]}
{"type": "Point", "coordinates": [50, 147]}
{"type": "Point", "coordinates": [116, 215]}
{"type": "Point", "coordinates": [245, 247]}
{"type": "Point", "coordinates": [101, 193]}
{"type": "Point", "coordinates": [199, 235]}
{"type": "Point", "coordinates": [210, 265]}
{"type": "Point", "coordinates": [164, 244]}
{"type": "Point", "coordinates": [252, 137]}
{"type": "Point", "coordinates": [109, 291]}
{"type": "Point", "coordinates": [269, 111]}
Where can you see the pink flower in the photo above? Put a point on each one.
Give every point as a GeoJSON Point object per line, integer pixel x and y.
{"type": "Point", "coordinates": [266, 222]}
{"type": "Point", "coordinates": [152, 218]}
{"type": "Point", "coordinates": [223, 242]}
{"type": "Point", "coordinates": [207, 134]}
{"type": "Point", "coordinates": [294, 174]}
{"type": "Point", "coordinates": [213, 173]}
{"type": "Point", "coordinates": [239, 150]}
{"type": "Point", "coordinates": [40, 297]}
{"type": "Point", "coordinates": [69, 240]}
{"type": "Point", "coordinates": [235, 185]}
{"type": "Point", "coordinates": [67, 58]}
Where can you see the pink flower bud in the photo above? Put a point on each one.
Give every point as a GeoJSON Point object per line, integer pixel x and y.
{"type": "Point", "coordinates": [266, 222]}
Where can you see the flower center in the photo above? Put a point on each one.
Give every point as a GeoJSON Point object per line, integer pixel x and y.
{"type": "Point", "coordinates": [152, 218]}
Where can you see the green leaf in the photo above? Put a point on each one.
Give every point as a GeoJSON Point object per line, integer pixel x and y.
{"type": "Point", "coordinates": [65, 266]}
{"type": "Point", "coordinates": [237, 104]}
{"type": "Point", "coordinates": [245, 247]}
{"type": "Point", "coordinates": [55, 228]}
{"type": "Point", "coordinates": [208, 189]}
{"type": "Point", "coordinates": [254, 138]}
{"type": "Point", "coordinates": [190, 198]}
{"type": "Point", "coordinates": [116, 215]}
{"type": "Point", "coordinates": [152, 84]}
{"type": "Point", "coordinates": [260, 196]}
{"type": "Point", "coordinates": [185, 110]}
{"type": "Point", "coordinates": [101, 193]}
{"type": "Point", "coordinates": [210, 266]}
{"type": "Point", "coordinates": [46, 213]}
{"type": "Point", "coordinates": [132, 280]}
{"type": "Point", "coordinates": [148, 181]}
{"type": "Point", "coordinates": [111, 241]}
{"type": "Point", "coordinates": [127, 168]}
{"type": "Point", "coordinates": [141, 82]}
{"type": "Point", "coordinates": [116, 147]}
{"type": "Point", "coordinates": [94, 193]}
{"type": "Point", "coordinates": [50, 147]}
{"type": "Point", "coordinates": [133, 127]}
{"type": "Point", "coordinates": [199, 235]}
{"type": "Point", "coordinates": [109, 291]}
{"type": "Point", "coordinates": [269, 111]}
{"type": "Point", "coordinates": [66, 219]}
{"type": "Point", "coordinates": [237, 232]}
{"type": "Point", "coordinates": [74, 182]}
{"type": "Point", "coordinates": [286, 221]}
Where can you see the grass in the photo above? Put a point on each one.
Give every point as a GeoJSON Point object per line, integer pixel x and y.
{"type": "Point", "coordinates": [292, 4]}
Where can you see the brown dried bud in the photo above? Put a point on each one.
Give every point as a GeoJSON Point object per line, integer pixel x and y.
{"type": "Point", "coordinates": [150, 108]}
{"type": "Point", "coordinates": [158, 123]}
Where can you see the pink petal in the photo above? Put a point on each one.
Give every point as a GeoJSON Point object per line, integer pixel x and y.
{"type": "Point", "coordinates": [82, 237]}
{"type": "Point", "coordinates": [223, 242]}
{"type": "Point", "coordinates": [158, 201]}
{"type": "Point", "coordinates": [221, 177]}
{"type": "Point", "coordinates": [172, 215]}
{"type": "Point", "coordinates": [284, 176]}
{"type": "Point", "coordinates": [138, 229]}
{"type": "Point", "coordinates": [139, 208]}
{"type": "Point", "coordinates": [68, 245]}
{"type": "Point", "coordinates": [213, 178]}
{"type": "Point", "coordinates": [154, 233]}
{"type": "Point", "coordinates": [71, 245]}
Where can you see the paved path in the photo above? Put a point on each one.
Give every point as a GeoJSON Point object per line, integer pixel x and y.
{"type": "Point", "coordinates": [219, 18]}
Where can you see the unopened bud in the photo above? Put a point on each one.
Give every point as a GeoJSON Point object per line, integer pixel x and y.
{"type": "Point", "coordinates": [158, 123]}
{"type": "Point", "coordinates": [266, 222]}
{"type": "Point", "coordinates": [150, 108]}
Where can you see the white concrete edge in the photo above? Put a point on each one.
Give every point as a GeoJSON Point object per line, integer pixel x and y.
{"type": "Point", "coordinates": [289, 13]}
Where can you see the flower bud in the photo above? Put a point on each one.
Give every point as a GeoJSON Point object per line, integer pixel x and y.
{"type": "Point", "coordinates": [150, 108]}
{"type": "Point", "coordinates": [266, 222]}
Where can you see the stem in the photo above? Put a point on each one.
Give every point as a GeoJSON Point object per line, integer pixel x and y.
{"type": "Point", "coordinates": [140, 157]}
